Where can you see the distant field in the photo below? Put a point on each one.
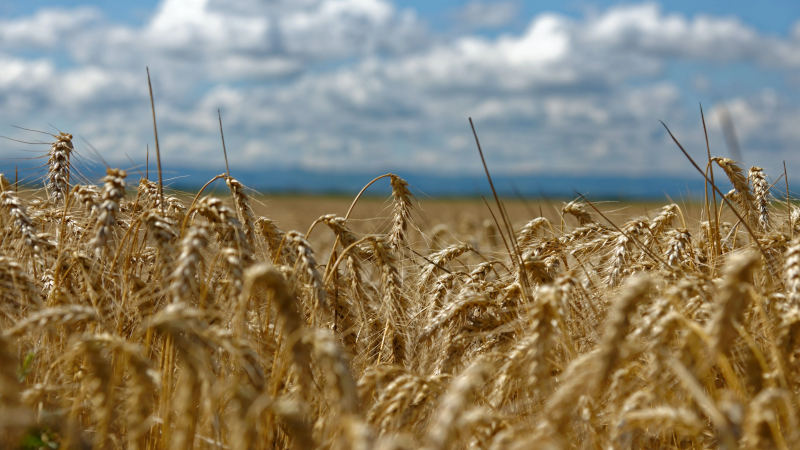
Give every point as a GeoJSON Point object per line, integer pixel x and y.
{"type": "Point", "coordinates": [465, 215]}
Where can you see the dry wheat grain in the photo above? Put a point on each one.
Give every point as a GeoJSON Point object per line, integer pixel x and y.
{"type": "Point", "coordinates": [58, 167]}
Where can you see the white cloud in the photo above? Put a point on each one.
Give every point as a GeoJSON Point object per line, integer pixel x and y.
{"type": "Point", "coordinates": [182, 24]}
{"type": "Point", "coordinates": [226, 40]}
{"type": "Point", "coordinates": [546, 40]}
{"type": "Point", "coordinates": [23, 74]}
{"type": "Point", "coordinates": [647, 30]}
{"type": "Point", "coordinates": [344, 27]}
{"type": "Point", "coordinates": [46, 29]}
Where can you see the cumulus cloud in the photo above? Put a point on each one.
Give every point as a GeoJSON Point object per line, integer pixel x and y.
{"type": "Point", "coordinates": [47, 28]}
{"type": "Point", "coordinates": [647, 30]}
{"type": "Point", "coordinates": [365, 84]}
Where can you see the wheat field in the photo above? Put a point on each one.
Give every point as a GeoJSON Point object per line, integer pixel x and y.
{"type": "Point", "coordinates": [142, 319]}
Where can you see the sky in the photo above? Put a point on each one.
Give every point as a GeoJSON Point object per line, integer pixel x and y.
{"type": "Point", "coordinates": [574, 87]}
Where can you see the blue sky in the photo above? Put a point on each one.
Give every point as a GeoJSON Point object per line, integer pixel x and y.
{"type": "Point", "coordinates": [571, 87]}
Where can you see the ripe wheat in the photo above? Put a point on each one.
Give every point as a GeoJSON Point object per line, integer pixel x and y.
{"type": "Point", "coordinates": [128, 322]}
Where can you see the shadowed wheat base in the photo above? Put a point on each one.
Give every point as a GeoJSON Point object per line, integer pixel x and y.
{"type": "Point", "coordinates": [132, 320]}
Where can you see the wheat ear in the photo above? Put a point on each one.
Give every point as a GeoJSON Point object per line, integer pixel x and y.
{"type": "Point", "coordinates": [401, 205]}
{"type": "Point", "coordinates": [460, 394]}
{"type": "Point", "coordinates": [58, 167]}
{"type": "Point", "coordinates": [761, 196]}
{"type": "Point", "coordinates": [732, 299]}
{"type": "Point", "coordinates": [578, 210]}
{"type": "Point", "coordinates": [113, 193]}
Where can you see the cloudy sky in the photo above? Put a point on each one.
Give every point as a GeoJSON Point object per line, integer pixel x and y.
{"type": "Point", "coordinates": [573, 87]}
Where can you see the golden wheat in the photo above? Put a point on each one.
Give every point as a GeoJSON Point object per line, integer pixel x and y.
{"type": "Point", "coordinates": [129, 321]}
